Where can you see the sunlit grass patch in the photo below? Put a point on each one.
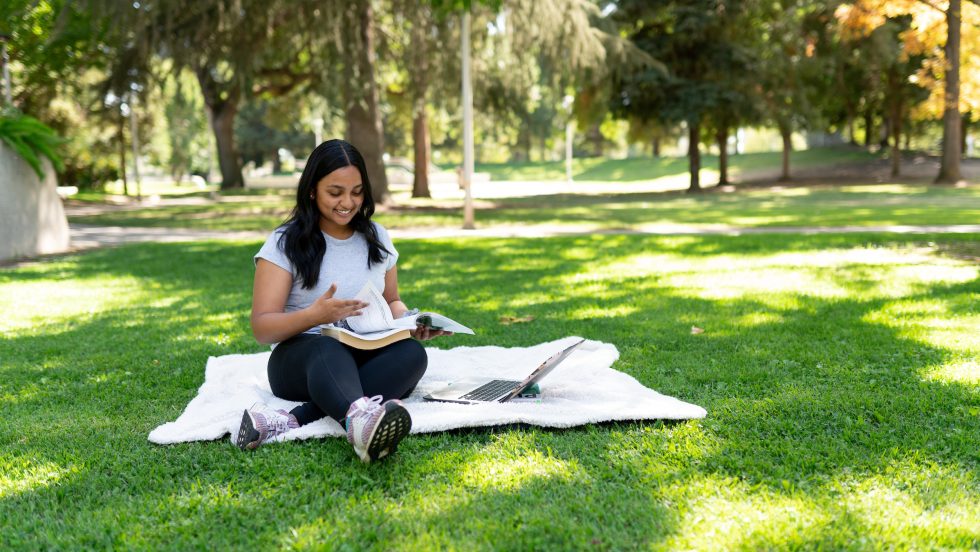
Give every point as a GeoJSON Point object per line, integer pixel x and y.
{"type": "Point", "coordinates": [965, 371]}
{"type": "Point", "coordinates": [42, 305]}
{"type": "Point", "coordinates": [20, 476]}
{"type": "Point", "coordinates": [727, 512]}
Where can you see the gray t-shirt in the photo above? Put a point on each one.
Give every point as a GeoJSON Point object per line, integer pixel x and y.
{"type": "Point", "coordinates": [345, 263]}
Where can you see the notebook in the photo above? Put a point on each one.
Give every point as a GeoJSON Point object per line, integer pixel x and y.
{"type": "Point", "coordinates": [482, 390]}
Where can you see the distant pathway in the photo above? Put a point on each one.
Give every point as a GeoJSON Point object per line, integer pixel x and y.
{"type": "Point", "coordinates": [89, 237]}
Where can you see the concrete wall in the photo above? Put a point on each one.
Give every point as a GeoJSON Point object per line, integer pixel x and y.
{"type": "Point", "coordinates": [32, 218]}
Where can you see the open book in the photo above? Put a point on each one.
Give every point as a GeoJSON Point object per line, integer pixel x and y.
{"type": "Point", "coordinates": [375, 327]}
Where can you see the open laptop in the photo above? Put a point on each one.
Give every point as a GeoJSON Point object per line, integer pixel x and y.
{"type": "Point", "coordinates": [481, 390]}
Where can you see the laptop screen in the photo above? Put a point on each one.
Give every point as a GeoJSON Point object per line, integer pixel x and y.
{"type": "Point", "coordinates": [549, 365]}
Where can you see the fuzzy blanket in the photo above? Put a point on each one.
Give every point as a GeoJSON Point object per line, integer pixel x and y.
{"type": "Point", "coordinates": [583, 389]}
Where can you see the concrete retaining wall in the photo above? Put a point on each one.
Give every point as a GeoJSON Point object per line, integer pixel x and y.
{"type": "Point", "coordinates": [32, 218]}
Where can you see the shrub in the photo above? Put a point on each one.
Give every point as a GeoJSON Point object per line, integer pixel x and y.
{"type": "Point", "coordinates": [30, 138]}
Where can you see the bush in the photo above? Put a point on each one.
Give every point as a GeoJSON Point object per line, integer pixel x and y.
{"type": "Point", "coordinates": [30, 138]}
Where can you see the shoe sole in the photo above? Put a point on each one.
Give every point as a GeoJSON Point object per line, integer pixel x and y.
{"type": "Point", "coordinates": [393, 427]}
{"type": "Point", "coordinates": [248, 436]}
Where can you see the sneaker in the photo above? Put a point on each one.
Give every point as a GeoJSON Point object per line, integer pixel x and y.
{"type": "Point", "coordinates": [261, 424]}
{"type": "Point", "coordinates": [375, 429]}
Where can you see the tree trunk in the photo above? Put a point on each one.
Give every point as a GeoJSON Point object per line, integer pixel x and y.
{"type": "Point", "coordinates": [364, 128]}
{"type": "Point", "coordinates": [949, 167]}
{"type": "Point", "coordinates": [122, 151]}
{"type": "Point", "coordinates": [694, 155]}
{"type": "Point", "coordinates": [722, 137]}
{"type": "Point", "coordinates": [869, 129]}
{"type": "Point", "coordinates": [522, 153]}
{"type": "Point", "coordinates": [594, 135]}
{"type": "Point", "coordinates": [223, 125]}
{"type": "Point", "coordinates": [276, 161]}
{"type": "Point", "coordinates": [656, 146]}
{"type": "Point", "coordinates": [420, 137]}
{"type": "Point", "coordinates": [896, 132]}
{"type": "Point", "coordinates": [886, 130]}
{"type": "Point", "coordinates": [221, 102]}
{"type": "Point", "coordinates": [787, 135]}
{"type": "Point", "coordinates": [964, 130]}
{"type": "Point", "coordinates": [850, 130]}
{"type": "Point", "coordinates": [894, 120]}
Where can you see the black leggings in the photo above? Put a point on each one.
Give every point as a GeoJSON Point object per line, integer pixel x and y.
{"type": "Point", "coordinates": [328, 375]}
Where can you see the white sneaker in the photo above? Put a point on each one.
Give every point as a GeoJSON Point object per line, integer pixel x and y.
{"type": "Point", "coordinates": [375, 429]}
{"type": "Point", "coordinates": [261, 424]}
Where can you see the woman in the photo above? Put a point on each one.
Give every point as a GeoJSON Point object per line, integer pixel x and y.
{"type": "Point", "coordinates": [305, 275]}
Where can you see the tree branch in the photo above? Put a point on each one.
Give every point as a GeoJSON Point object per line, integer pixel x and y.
{"type": "Point", "coordinates": [933, 6]}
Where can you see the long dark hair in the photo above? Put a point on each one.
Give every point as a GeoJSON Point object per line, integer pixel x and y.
{"type": "Point", "coordinates": [302, 241]}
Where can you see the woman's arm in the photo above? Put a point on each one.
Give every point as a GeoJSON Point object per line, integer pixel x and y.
{"type": "Point", "coordinates": [398, 308]}
{"type": "Point", "coordinates": [270, 324]}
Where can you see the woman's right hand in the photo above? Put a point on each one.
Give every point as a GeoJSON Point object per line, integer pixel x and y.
{"type": "Point", "coordinates": [327, 309]}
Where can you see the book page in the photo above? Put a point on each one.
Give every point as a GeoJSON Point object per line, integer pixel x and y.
{"type": "Point", "coordinates": [441, 322]}
{"type": "Point", "coordinates": [376, 316]}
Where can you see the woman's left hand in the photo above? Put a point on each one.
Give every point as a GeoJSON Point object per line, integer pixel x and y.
{"type": "Point", "coordinates": [424, 333]}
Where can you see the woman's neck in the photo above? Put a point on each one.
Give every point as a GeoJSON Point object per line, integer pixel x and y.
{"type": "Point", "coordinates": [336, 231]}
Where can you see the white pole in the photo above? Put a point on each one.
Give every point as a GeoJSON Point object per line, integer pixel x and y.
{"type": "Point", "coordinates": [6, 73]}
{"type": "Point", "coordinates": [568, 102]}
{"type": "Point", "coordinates": [136, 146]}
{"type": "Point", "coordinates": [467, 128]}
{"type": "Point", "coordinates": [569, 134]}
{"type": "Point", "coordinates": [317, 130]}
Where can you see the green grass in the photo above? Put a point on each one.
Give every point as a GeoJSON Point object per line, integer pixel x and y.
{"type": "Point", "coordinates": [839, 373]}
{"type": "Point", "coordinates": [649, 168]}
{"type": "Point", "coordinates": [860, 205]}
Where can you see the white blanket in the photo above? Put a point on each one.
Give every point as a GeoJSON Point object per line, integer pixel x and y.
{"type": "Point", "coordinates": [583, 389]}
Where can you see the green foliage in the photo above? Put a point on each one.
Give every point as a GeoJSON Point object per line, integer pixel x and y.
{"type": "Point", "coordinates": [31, 139]}
{"type": "Point", "coordinates": [260, 136]}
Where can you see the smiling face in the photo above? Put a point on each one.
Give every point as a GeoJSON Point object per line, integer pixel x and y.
{"type": "Point", "coordinates": [338, 197]}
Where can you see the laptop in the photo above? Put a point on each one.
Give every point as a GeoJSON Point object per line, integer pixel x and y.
{"type": "Point", "coordinates": [481, 390]}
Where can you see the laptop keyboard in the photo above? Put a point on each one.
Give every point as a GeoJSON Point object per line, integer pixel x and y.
{"type": "Point", "coordinates": [491, 390]}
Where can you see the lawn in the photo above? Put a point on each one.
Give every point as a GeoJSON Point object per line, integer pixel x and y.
{"type": "Point", "coordinates": [646, 168]}
{"type": "Point", "coordinates": [839, 373]}
{"type": "Point", "coordinates": [859, 205]}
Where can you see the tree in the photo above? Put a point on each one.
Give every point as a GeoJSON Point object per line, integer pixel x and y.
{"type": "Point", "coordinates": [187, 129]}
{"type": "Point", "coordinates": [690, 40]}
{"type": "Point", "coordinates": [946, 56]}
{"type": "Point", "coordinates": [949, 167]}
{"type": "Point", "coordinates": [364, 128]}
{"type": "Point", "coordinates": [418, 44]}
{"type": "Point", "coordinates": [794, 79]}
{"type": "Point", "coordinates": [734, 70]}
{"type": "Point", "coordinates": [235, 48]}
{"type": "Point", "coordinates": [895, 59]}
{"type": "Point", "coordinates": [59, 52]}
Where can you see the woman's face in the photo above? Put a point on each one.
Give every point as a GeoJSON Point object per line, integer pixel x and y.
{"type": "Point", "coordinates": [339, 196]}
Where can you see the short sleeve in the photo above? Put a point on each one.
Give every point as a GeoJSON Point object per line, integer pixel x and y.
{"type": "Point", "coordinates": [391, 259]}
{"type": "Point", "coordinates": [271, 252]}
